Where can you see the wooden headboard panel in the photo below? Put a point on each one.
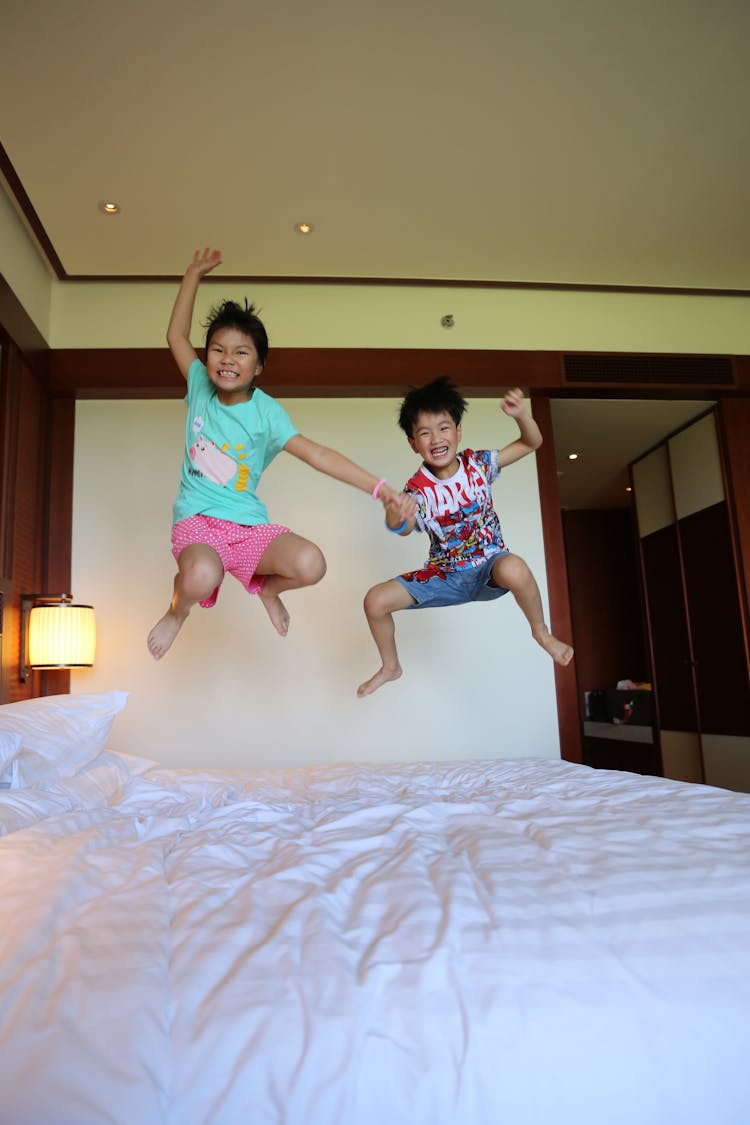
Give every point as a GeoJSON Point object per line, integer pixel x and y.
{"type": "Point", "coordinates": [36, 490]}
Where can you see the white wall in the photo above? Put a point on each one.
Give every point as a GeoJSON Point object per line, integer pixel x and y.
{"type": "Point", "coordinates": [231, 693]}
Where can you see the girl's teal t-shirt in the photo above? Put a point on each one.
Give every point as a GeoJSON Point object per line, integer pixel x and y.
{"type": "Point", "coordinates": [226, 450]}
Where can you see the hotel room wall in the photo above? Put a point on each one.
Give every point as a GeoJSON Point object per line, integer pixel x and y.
{"type": "Point", "coordinates": [231, 692]}
{"type": "Point", "coordinates": [127, 315]}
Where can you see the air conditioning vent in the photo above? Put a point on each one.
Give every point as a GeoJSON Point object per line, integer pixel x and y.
{"type": "Point", "coordinates": [675, 369]}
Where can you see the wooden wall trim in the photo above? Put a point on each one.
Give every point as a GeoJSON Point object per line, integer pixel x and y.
{"type": "Point", "coordinates": [557, 582]}
{"type": "Point", "coordinates": [145, 373]}
{"type": "Point", "coordinates": [59, 496]}
{"type": "Point", "coordinates": [27, 408]}
{"type": "Point", "coordinates": [10, 377]}
{"type": "Point", "coordinates": [21, 329]}
{"type": "Point", "coordinates": [306, 372]}
{"type": "Point", "coordinates": [58, 510]}
{"type": "Point", "coordinates": [26, 470]}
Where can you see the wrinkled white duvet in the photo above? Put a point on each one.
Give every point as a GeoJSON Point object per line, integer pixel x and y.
{"type": "Point", "coordinates": [523, 942]}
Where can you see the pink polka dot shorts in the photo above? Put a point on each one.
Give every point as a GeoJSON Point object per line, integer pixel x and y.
{"type": "Point", "coordinates": [239, 547]}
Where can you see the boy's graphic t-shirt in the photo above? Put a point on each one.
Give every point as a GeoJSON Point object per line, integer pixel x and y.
{"type": "Point", "coordinates": [226, 450]}
{"type": "Point", "coordinates": [458, 513]}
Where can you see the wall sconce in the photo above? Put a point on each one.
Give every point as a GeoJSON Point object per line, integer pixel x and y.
{"type": "Point", "coordinates": [55, 633]}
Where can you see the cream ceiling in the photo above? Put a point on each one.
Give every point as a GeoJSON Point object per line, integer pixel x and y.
{"type": "Point", "coordinates": [577, 142]}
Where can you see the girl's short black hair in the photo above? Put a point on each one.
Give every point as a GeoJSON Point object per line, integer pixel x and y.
{"type": "Point", "coordinates": [433, 398]}
{"type": "Point", "coordinates": [231, 315]}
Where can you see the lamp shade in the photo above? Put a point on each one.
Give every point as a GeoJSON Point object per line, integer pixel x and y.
{"type": "Point", "coordinates": [62, 636]}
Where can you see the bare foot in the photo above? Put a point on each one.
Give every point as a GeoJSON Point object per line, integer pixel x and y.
{"type": "Point", "coordinates": [382, 677]}
{"type": "Point", "coordinates": [560, 652]}
{"type": "Point", "coordinates": [163, 633]}
{"type": "Point", "coordinates": [278, 613]}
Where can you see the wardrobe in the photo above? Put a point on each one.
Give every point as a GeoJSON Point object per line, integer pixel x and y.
{"type": "Point", "coordinates": [694, 613]}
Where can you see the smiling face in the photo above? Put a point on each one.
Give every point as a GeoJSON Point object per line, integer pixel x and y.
{"type": "Point", "coordinates": [435, 439]}
{"type": "Point", "coordinates": [232, 364]}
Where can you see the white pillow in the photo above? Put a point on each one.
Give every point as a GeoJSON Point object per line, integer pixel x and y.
{"type": "Point", "coordinates": [59, 733]}
{"type": "Point", "coordinates": [10, 744]}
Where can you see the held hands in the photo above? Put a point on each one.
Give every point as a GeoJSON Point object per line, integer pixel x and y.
{"type": "Point", "coordinates": [385, 494]}
{"type": "Point", "coordinates": [514, 403]}
{"type": "Point", "coordinates": [204, 261]}
{"type": "Point", "coordinates": [399, 507]}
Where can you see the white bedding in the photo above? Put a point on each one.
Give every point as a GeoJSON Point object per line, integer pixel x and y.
{"type": "Point", "coordinates": [520, 942]}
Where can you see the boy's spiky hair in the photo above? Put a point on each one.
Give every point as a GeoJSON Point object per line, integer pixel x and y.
{"type": "Point", "coordinates": [228, 314]}
{"type": "Point", "coordinates": [433, 398]}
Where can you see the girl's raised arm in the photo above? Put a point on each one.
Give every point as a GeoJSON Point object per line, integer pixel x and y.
{"type": "Point", "coordinates": [180, 322]}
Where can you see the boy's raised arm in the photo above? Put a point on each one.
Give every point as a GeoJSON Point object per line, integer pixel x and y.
{"type": "Point", "coordinates": [530, 437]}
{"type": "Point", "coordinates": [181, 320]}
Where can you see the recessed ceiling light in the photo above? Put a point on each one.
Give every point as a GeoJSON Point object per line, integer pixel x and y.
{"type": "Point", "coordinates": [304, 228]}
{"type": "Point", "coordinates": [109, 207]}
{"type": "Point", "coordinates": [572, 456]}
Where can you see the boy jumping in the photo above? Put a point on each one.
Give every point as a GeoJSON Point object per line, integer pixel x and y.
{"type": "Point", "coordinates": [450, 498]}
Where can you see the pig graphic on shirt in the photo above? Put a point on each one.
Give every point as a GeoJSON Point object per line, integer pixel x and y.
{"type": "Point", "coordinates": [215, 465]}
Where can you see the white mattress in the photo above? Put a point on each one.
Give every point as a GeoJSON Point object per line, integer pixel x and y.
{"type": "Point", "coordinates": [523, 942]}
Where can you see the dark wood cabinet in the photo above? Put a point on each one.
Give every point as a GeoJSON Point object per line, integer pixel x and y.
{"type": "Point", "coordinates": [694, 608]}
{"type": "Point", "coordinates": [605, 755]}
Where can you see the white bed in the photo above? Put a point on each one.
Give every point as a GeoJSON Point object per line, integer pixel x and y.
{"type": "Point", "coordinates": [525, 942]}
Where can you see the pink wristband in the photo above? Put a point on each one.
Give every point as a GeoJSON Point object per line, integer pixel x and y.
{"type": "Point", "coordinates": [376, 489]}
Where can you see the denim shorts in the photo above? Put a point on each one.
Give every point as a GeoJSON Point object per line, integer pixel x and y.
{"type": "Point", "coordinates": [455, 587]}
